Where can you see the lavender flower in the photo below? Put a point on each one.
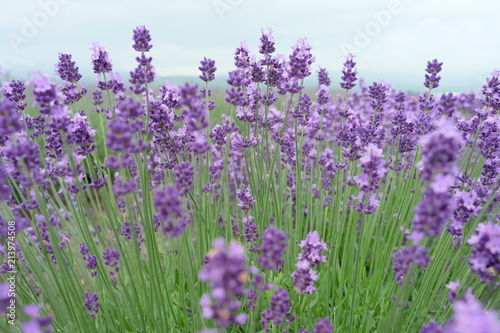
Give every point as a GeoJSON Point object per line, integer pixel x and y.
{"type": "Point", "coordinates": [431, 327]}
{"type": "Point", "coordinates": [37, 323]}
{"type": "Point", "coordinates": [304, 277]}
{"type": "Point", "coordinates": [452, 286]}
{"type": "Point", "coordinates": [183, 175]}
{"type": "Point", "coordinates": [301, 60]}
{"type": "Point", "coordinates": [432, 78]}
{"type": "Point", "coordinates": [14, 91]}
{"type": "Point", "coordinates": [372, 162]}
{"type": "Point", "coordinates": [66, 69]}
{"type": "Point", "coordinates": [435, 208]}
{"type": "Point", "coordinates": [111, 258]}
{"type": "Point", "coordinates": [10, 120]}
{"type": "Point", "coordinates": [242, 56]}
{"type": "Point", "coordinates": [266, 43]}
{"type": "Point", "coordinates": [100, 59]}
{"type": "Point", "coordinates": [274, 243]}
{"type": "Point", "coordinates": [349, 73]}
{"type": "Point", "coordinates": [440, 150]}
{"type": "Point", "coordinates": [141, 39]}
{"type": "Point", "coordinates": [278, 311]}
{"type": "Point", "coordinates": [92, 304]}
{"type": "Point", "coordinates": [323, 78]}
{"type": "Point", "coordinates": [246, 199]}
{"type": "Point", "coordinates": [311, 249]}
{"type": "Point", "coordinates": [323, 325]}
{"type": "Point", "coordinates": [226, 272]}
{"type": "Point", "coordinates": [485, 253]}
{"type": "Point", "coordinates": [207, 68]}
{"type": "Point", "coordinates": [470, 316]}
{"type": "Point", "coordinates": [417, 255]}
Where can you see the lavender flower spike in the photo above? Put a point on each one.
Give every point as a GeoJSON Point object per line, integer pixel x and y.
{"type": "Point", "coordinates": [142, 39]}
{"type": "Point", "coordinates": [226, 271]}
{"type": "Point", "coordinates": [349, 73]}
{"type": "Point", "coordinates": [312, 247]}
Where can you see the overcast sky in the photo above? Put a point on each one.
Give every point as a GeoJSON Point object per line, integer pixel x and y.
{"type": "Point", "coordinates": [393, 39]}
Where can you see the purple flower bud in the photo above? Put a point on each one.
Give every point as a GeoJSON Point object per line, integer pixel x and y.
{"type": "Point", "coordinates": [141, 39]}
{"type": "Point", "coordinates": [349, 73]}
{"type": "Point", "coordinates": [323, 325]}
{"type": "Point", "coordinates": [485, 253]}
{"type": "Point", "coordinates": [207, 68]}
{"type": "Point", "coordinates": [432, 78]}
{"type": "Point", "coordinates": [100, 59]}
{"type": "Point", "coordinates": [323, 78]}
{"type": "Point", "coordinates": [311, 249]}
{"type": "Point", "coordinates": [274, 243]}
{"type": "Point", "coordinates": [92, 304]}
{"type": "Point", "coordinates": [226, 272]}
{"type": "Point", "coordinates": [66, 69]}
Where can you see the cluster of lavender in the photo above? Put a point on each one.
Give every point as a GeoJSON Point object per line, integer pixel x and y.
{"type": "Point", "coordinates": [289, 154]}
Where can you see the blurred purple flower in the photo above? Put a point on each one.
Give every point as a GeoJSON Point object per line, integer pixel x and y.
{"type": "Point", "coordinates": [323, 325]}
{"type": "Point", "coordinates": [226, 272]}
{"type": "Point", "coordinates": [485, 252]}
{"type": "Point", "coordinates": [274, 243]}
{"type": "Point", "coordinates": [92, 304]}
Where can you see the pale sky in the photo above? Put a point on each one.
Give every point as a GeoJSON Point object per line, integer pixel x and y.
{"type": "Point", "coordinates": [393, 39]}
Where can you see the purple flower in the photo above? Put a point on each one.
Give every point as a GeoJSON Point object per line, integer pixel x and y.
{"type": "Point", "coordinates": [431, 327]}
{"type": "Point", "coordinates": [246, 199]}
{"type": "Point", "coordinates": [100, 59]}
{"type": "Point", "coordinates": [311, 249]}
{"type": "Point", "coordinates": [435, 208]}
{"type": "Point", "coordinates": [141, 39]}
{"type": "Point", "coordinates": [92, 304]}
{"type": "Point", "coordinates": [250, 230]}
{"type": "Point", "coordinates": [417, 255]}
{"type": "Point", "coordinates": [226, 272]}
{"type": "Point", "coordinates": [323, 78]}
{"type": "Point", "coordinates": [111, 258]}
{"type": "Point", "coordinates": [183, 176]}
{"type": "Point", "coordinates": [470, 316]}
{"type": "Point", "coordinates": [372, 162]}
{"type": "Point", "coordinates": [5, 299]}
{"type": "Point", "coordinates": [304, 277]}
{"type": "Point", "coordinates": [301, 60]}
{"type": "Point", "coordinates": [242, 56]}
{"type": "Point", "coordinates": [274, 243]}
{"type": "Point", "coordinates": [485, 252]}
{"type": "Point", "coordinates": [170, 212]}
{"type": "Point", "coordinates": [323, 325]}
{"type": "Point", "coordinates": [440, 150]}
{"type": "Point", "coordinates": [267, 43]}
{"type": "Point", "coordinates": [207, 68]}
{"type": "Point", "coordinates": [10, 119]}
{"type": "Point", "coordinates": [447, 104]}
{"type": "Point", "coordinates": [37, 323]}
{"type": "Point", "coordinates": [129, 108]}
{"type": "Point", "coordinates": [279, 309]}
{"type": "Point", "coordinates": [66, 69]}
{"type": "Point", "coordinates": [452, 286]}
{"type": "Point", "coordinates": [377, 91]}
{"type": "Point", "coordinates": [14, 92]}
{"type": "Point", "coordinates": [432, 78]}
{"type": "Point", "coordinates": [349, 73]}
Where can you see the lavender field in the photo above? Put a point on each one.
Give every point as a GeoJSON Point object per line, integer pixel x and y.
{"type": "Point", "coordinates": [144, 206]}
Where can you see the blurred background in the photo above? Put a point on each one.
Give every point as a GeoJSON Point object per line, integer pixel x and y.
{"type": "Point", "coordinates": [393, 39]}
